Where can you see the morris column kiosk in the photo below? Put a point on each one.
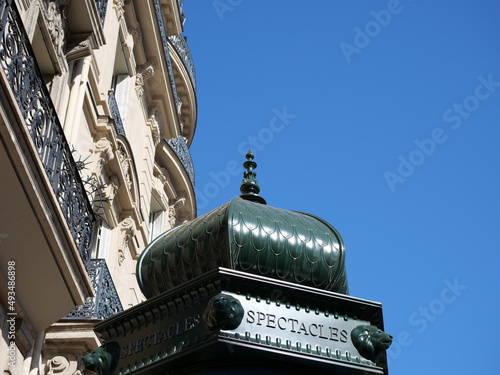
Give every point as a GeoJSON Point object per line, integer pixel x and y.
{"type": "Point", "coordinates": [246, 288]}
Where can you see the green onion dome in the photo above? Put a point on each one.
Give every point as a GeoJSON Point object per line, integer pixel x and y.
{"type": "Point", "coordinates": [247, 235]}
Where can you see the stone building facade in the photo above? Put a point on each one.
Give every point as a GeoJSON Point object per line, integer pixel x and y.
{"type": "Point", "coordinates": [97, 113]}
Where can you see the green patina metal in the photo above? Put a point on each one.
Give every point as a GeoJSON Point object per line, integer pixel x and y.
{"type": "Point", "coordinates": [247, 235]}
{"type": "Point", "coordinates": [250, 186]}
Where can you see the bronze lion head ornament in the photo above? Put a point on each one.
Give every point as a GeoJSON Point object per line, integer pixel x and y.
{"type": "Point", "coordinates": [370, 341]}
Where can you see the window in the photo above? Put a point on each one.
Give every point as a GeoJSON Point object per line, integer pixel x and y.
{"type": "Point", "coordinates": [103, 239]}
{"type": "Point", "coordinates": [156, 218]}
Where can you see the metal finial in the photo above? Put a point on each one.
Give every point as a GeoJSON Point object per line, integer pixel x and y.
{"type": "Point", "coordinates": [250, 186]}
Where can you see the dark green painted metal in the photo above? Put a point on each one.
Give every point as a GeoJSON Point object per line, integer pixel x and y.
{"type": "Point", "coordinates": [250, 237]}
{"type": "Point", "coordinates": [371, 342]}
{"type": "Point", "coordinates": [284, 325]}
{"type": "Point", "coordinates": [250, 186]}
{"type": "Point", "coordinates": [103, 360]}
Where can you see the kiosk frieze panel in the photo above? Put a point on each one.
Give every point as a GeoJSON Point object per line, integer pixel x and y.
{"type": "Point", "coordinates": [227, 306]}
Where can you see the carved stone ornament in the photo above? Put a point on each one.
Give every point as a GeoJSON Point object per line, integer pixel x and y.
{"type": "Point", "coordinates": [172, 211]}
{"type": "Point", "coordinates": [370, 341]}
{"type": "Point", "coordinates": [127, 225]}
{"type": "Point", "coordinates": [136, 33]}
{"type": "Point", "coordinates": [129, 230]}
{"type": "Point", "coordinates": [144, 72]}
{"type": "Point", "coordinates": [223, 312]}
{"type": "Point", "coordinates": [125, 164]}
{"type": "Point", "coordinates": [104, 153]}
{"type": "Point", "coordinates": [147, 70]}
{"type": "Point", "coordinates": [119, 4]}
{"type": "Point", "coordinates": [163, 176]}
{"type": "Point", "coordinates": [78, 48]}
{"type": "Point", "coordinates": [55, 15]}
{"type": "Point", "coordinates": [112, 187]}
{"type": "Point", "coordinates": [56, 365]}
{"type": "Point", "coordinates": [154, 123]}
{"type": "Point", "coordinates": [139, 85]}
{"type": "Point", "coordinates": [179, 107]}
{"type": "Point", "coordinates": [121, 256]}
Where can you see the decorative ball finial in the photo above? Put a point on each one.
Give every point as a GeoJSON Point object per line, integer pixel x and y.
{"type": "Point", "coordinates": [250, 186]}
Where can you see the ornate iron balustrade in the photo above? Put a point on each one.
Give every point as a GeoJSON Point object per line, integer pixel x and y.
{"type": "Point", "coordinates": [106, 302]}
{"type": "Point", "coordinates": [181, 11]}
{"type": "Point", "coordinates": [101, 9]}
{"type": "Point", "coordinates": [164, 41]}
{"type": "Point", "coordinates": [180, 45]}
{"type": "Point", "coordinates": [25, 80]}
{"type": "Point", "coordinates": [115, 113]}
{"type": "Point", "coordinates": [179, 146]}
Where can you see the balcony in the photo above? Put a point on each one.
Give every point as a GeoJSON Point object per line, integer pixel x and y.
{"type": "Point", "coordinates": [164, 41]}
{"type": "Point", "coordinates": [33, 100]}
{"type": "Point", "coordinates": [101, 9]}
{"type": "Point", "coordinates": [115, 113]}
{"type": "Point", "coordinates": [178, 145]}
{"type": "Point", "coordinates": [180, 45]}
{"type": "Point", "coordinates": [181, 11]}
{"type": "Point", "coordinates": [46, 215]}
{"type": "Point", "coordinates": [106, 302]}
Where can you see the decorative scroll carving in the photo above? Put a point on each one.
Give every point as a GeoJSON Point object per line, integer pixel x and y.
{"type": "Point", "coordinates": [128, 225]}
{"type": "Point", "coordinates": [56, 365]}
{"type": "Point", "coordinates": [154, 123]}
{"type": "Point", "coordinates": [129, 230]}
{"type": "Point", "coordinates": [104, 152]}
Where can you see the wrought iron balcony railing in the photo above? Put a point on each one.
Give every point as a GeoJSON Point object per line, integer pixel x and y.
{"type": "Point", "coordinates": [101, 9]}
{"type": "Point", "coordinates": [33, 100]}
{"type": "Point", "coordinates": [106, 302]}
{"type": "Point", "coordinates": [115, 113]}
{"type": "Point", "coordinates": [182, 151]}
{"type": "Point", "coordinates": [180, 45]}
{"type": "Point", "coordinates": [27, 85]}
{"type": "Point", "coordinates": [181, 10]}
{"type": "Point", "coordinates": [164, 41]}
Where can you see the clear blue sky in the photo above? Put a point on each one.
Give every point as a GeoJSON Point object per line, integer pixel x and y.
{"type": "Point", "coordinates": [383, 118]}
